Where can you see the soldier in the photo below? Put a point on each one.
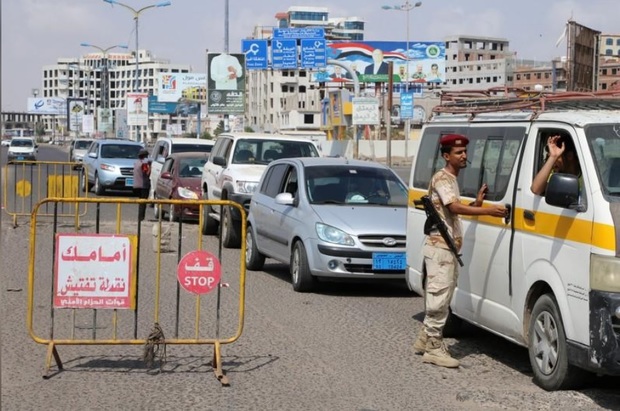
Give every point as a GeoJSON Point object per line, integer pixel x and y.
{"type": "Point", "coordinates": [441, 263]}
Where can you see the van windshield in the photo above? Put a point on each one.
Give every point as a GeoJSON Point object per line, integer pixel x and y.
{"type": "Point", "coordinates": [604, 143]}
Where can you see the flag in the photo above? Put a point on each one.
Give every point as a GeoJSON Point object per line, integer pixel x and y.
{"type": "Point", "coordinates": [563, 36]}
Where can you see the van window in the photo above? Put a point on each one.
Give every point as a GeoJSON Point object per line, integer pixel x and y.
{"type": "Point", "coordinates": [542, 151]}
{"type": "Point", "coordinates": [429, 157]}
{"type": "Point", "coordinates": [604, 143]}
{"type": "Point", "coordinates": [491, 153]}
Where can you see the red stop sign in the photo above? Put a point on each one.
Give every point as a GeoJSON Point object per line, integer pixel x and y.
{"type": "Point", "coordinates": [199, 272]}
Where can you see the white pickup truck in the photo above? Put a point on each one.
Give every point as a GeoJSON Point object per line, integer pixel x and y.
{"type": "Point", "coordinates": [232, 173]}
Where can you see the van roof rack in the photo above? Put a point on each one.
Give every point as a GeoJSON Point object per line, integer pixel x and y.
{"type": "Point", "coordinates": [517, 99]}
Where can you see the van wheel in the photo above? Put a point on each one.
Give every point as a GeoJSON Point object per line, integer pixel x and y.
{"type": "Point", "coordinates": [302, 279]}
{"type": "Point", "coordinates": [209, 224]}
{"type": "Point", "coordinates": [254, 260]}
{"type": "Point", "coordinates": [547, 348]}
{"type": "Point", "coordinates": [99, 190]}
{"type": "Point", "coordinates": [230, 229]}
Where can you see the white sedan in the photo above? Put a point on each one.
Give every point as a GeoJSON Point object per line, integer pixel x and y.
{"type": "Point", "coordinates": [6, 143]}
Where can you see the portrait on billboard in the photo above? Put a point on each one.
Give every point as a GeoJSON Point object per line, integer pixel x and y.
{"type": "Point", "coordinates": [225, 72]}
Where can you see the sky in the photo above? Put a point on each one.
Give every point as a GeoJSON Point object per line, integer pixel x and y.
{"type": "Point", "coordinates": [36, 33]}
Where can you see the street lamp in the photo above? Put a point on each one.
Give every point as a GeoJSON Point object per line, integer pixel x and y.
{"type": "Point", "coordinates": [406, 7]}
{"type": "Point", "coordinates": [136, 15]}
{"type": "Point", "coordinates": [105, 92]}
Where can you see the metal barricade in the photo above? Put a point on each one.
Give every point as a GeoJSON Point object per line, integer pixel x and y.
{"type": "Point", "coordinates": [109, 282]}
{"type": "Point", "coordinates": [26, 183]}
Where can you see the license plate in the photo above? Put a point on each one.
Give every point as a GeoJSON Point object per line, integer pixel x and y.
{"type": "Point", "coordinates": [388, 261]}
{"type": "Point", "coordinates": [20, 157]}
{"type": "Point", "coordinates": [129, 182]}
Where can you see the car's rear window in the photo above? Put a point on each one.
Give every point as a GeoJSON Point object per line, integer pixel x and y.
{"type": "Point", "coordinates": [191, 148]}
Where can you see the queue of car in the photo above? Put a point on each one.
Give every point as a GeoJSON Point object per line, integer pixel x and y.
{"type": "Point", "coordinates": [324, 217]}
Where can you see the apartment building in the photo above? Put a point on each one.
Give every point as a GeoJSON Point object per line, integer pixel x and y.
{"type": "Point", "coordinates": [104, 79]}
{"type": "Point", "coordinates": [474, 62]}
{"type": "Point", "coordinates": [609, 45]}
{"type": "Point", "coordinates": [286, 100]}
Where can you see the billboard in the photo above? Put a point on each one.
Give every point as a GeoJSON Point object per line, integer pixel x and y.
{"type": "Point", "coordinates": [76, 108]}
{"type": "Point", "coordinates": [50, 105]}
{"type": "Point", "coordinates": [137, 109]}
{"type": "Point", "coordinates": [421, 62]}
{"type": "Point", "coordinates": [173, 87]}
{"type": "Point", "coordinates": [226, 83]}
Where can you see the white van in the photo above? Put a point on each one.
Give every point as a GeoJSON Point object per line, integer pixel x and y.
{"type": "Point", "coordinates": [548, 277]}
{"type": "Point", "coordinates": [164, 146]}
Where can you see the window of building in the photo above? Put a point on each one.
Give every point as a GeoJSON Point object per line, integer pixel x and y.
{"type": "Point", "coordinates": [284, 88]}
{"type": "Point", "coordinates": [518, 76]}
{"type": "Point", "coordinates": [302, 89]}
{"type": "Point", "coordinates": [609, 42]}
{"type": "Point", "coordinates": [609, 52]}
{"type": "Point", "coordinates": [308, 118]}
{"type": "Point", "coordinates": [538, 76]}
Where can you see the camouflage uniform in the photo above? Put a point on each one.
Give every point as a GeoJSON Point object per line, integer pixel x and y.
{"type": "Point", "coordinates": [441, 264]}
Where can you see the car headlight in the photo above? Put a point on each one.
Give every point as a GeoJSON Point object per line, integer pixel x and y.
{"type": "Point", "coordinates": [247, 187]}
{"type": "Point", "coordinates": [185, 193]}
{"type": "Point", "coordinates": [107, 167]}
{"type": "Point", "coordinates": [333, 235]}
{"type": "Point", "coordinates": [605, 273]}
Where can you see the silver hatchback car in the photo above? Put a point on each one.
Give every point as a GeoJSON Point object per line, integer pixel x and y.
{"type": "Point", "coordinates": [329, 217]}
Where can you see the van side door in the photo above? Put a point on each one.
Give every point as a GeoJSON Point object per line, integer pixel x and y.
{"type": "Point", "coordinates": [483, 293]}
{"type": "Point", "coordinates": [552, 245]}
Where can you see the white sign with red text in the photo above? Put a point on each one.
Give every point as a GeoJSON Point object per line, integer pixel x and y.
{"type": "Point", "coordinates": [94, 271]}
{"type": "Point", "coordinates": [199, 272]}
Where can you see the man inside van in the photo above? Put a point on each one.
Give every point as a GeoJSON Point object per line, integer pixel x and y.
{"type": "Point", "coordinates": [561, 158]}
{"type": "Point", "coordinates": [441, 263]}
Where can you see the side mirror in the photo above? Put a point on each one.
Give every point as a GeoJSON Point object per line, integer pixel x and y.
{"type": "Point", "coordinates": [92, 155]}
{"type": "Point", "coordinates": [220, 161]}
{"type": "Point", "coordinates": [166, 175]}
{"type": "Point", "coordinates": [285, 199]}
{"type": "Point", "coordinates": [563, 191]}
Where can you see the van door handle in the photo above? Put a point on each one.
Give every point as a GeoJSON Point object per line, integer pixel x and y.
{"type": "Point", "coordinates": [508, 214]}
{"type": "Point", "coordinates": [529, 215]}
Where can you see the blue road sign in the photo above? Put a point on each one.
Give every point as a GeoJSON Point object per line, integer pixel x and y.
{"type": "Point", "coordinates": [284, 53]}
{"type": "Point", "coordinates": [313, 53]}
{"type": "Point", "coordinates": [406, 104]}
{"type": "Point", "coordinates": [299, 33]}
{"type": "Point", "coordinates": [255, 54]}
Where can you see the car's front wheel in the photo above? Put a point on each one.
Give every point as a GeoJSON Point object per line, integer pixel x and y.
{"type": "Point", "coordinates": [209, 224]}
{"type": "Point", "coordinates": [254, 260]}
{"type": "Point", "coordinates": [547, 348]}
{"type": "Point", "coordinates": [172, 217]}
{"type": "Point", "coordinates": [230, 229]}
{"type": "Point", "coordinates": [99, 190]}
{"type": "Point", "coordinates": [302, 279]}
{"type": "Point", "coordinates": [85, 183]}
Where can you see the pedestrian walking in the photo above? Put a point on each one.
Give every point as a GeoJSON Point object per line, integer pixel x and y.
{"type": "Point", "coordinates": [441, 263]}
{"type": "Point", "coordinates": [142, 180]}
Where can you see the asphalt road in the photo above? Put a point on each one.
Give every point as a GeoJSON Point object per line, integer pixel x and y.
{"type": "Point", "coordinates": [346, 347]}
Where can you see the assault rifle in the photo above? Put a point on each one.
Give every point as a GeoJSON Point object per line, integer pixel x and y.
{"type": "Point", "coordinates": [435, 222]}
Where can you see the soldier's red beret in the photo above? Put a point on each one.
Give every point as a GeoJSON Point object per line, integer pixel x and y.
{"type": "Point", "coordinates": [454, 140]}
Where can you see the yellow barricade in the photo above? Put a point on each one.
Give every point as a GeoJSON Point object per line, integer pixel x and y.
{"type": "Point", "coordinates": [26, 183]}
{"type": "Point", "coordinates": [120, 281]}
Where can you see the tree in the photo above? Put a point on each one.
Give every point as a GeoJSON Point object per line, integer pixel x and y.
{"type": "Point", "coordinates": [220, 128]}
{"type": "Point", "coordinates": [248, 129]}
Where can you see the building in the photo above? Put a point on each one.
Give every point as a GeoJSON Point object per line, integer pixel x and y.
{"type": "Point", "coordinates": [286, 100]}
{"type": "Point", "coordinates": [540, 76]}
{"type": "Point", "coordinates": [103, 80]}
{"type": "Point", "coordinates": [609, 45]}
{"type": "Point", "coordinates": [474, 62]}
